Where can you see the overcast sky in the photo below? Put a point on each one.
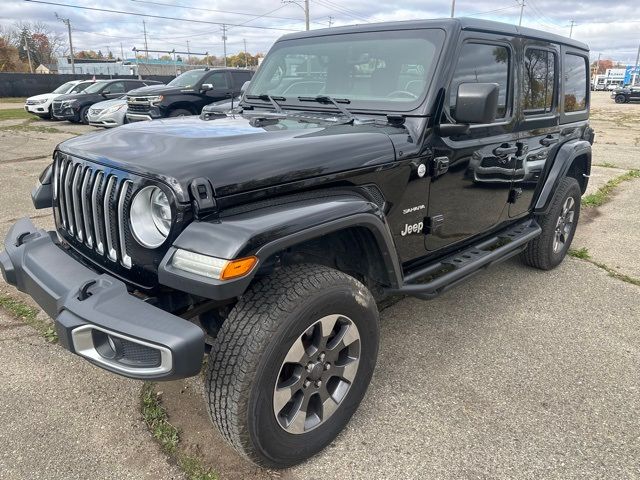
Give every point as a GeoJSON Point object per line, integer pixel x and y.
{"type": "Point", "coordinates": [610, 27]}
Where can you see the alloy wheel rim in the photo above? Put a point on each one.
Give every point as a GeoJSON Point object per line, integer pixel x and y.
{"type": "Point", "coordinates": [316, 374]}
{"type": "Point", "coordinates": [564, 225]}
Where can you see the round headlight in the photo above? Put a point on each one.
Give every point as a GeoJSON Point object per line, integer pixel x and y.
{"type": "Point", "coordinates": [150, 217]}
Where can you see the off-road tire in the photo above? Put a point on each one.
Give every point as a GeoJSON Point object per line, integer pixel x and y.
{"type": "Point", "coordinates": [180, 112]}
{"type": "Point", "coordinates": [539, 252]}
{"type": "Point", "coordinates": [250, 348]}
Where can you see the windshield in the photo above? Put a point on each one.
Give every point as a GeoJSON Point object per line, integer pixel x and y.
{"type": "Point", "coordinates": [187, 79]}
{"type": "Point", "coordinates": [374, 70]}
{"type": "Point", "coordinates": [94, 87]}
{"type": "Point", "coordinates": [64, 87]}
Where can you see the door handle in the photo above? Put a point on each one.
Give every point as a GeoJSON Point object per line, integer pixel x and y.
{"type": "Point", "coordinates": [549, 140]}
{"type": "Point", "coordinates": [504, 150]}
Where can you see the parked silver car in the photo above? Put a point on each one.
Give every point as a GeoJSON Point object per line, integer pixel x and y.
{"type": "Point", "coordinates": [109, 113]}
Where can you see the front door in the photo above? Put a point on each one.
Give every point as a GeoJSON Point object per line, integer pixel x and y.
{"type": "Point", "coordinates": [222, 87]}
{"type": "Point", "coordinates": [471, 195]}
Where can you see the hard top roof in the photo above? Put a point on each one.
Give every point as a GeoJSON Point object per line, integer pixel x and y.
{"type": "Point", "coordinates": [463, 23]}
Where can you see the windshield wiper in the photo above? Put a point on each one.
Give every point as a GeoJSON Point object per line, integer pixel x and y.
{"type": "Point", "coordinates": [326, 100]}
{"type": "Point", "coordinates": [268, 98]}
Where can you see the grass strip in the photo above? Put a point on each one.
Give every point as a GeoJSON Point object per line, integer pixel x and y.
{"type": "Point", "coordinates": [603, 194]}
{"type": "Point", "coordinates": [168, 436]}
{"type": "Point", "coordinates": [583, 254]}
{"type": "Point", "coordinates": [14, 113]}
{"type": "Point", "coordinates": [13, 99]}
{"type": "Point", "coordinates": [29, 315]}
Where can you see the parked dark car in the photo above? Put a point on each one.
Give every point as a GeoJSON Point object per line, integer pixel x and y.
{"type": "Point", "coordinates": [364, 163]}
{"type": "Point", "coordinates": [626, 94]}
{"type": "Point", "coordinates": [186, 94]}
{"type": "Point", "coordinates": [75, 108]}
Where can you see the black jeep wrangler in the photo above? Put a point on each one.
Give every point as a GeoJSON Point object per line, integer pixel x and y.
{"type": "Point", "coordinates": [363, 163]}
{"type": "Point", "coordinates": [186, 94]}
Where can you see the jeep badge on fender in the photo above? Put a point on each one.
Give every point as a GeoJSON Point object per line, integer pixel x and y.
{"type": "Point", "coordinates": [271, 232]}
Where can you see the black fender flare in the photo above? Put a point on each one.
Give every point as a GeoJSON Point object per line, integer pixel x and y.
{"type": "Point", "coordinates": [268, 229]}
{"type": "Point", "coordinates": [563, 161]}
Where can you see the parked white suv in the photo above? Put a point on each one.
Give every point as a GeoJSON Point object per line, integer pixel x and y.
{"type": "Point", "coordinates": [40, 105]}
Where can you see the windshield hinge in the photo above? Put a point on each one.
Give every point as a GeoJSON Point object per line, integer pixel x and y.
{"type": "Point", "coordinates": [204, 201]}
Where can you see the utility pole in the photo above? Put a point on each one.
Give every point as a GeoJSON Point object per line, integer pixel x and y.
{"type": "Point", "coordinates": [121, 52]}
{"type": "Point", "coordinates": [26, 47]}
{"type": "Point", "coordinates": [224, 42]}
{"type": "Point", "coordinates": [306, 13]}
{"type": "Point", "coordinates": [67, 22]}
{"type": "Point", "coordinates": [521, 12]}
{"type": "Point", "coordinates": [571, 29]}
{"type": "Point", "coordinates": [146, 46]}
{"type": "Point", "coordinates": [246, 58]}
{"type": "Point", "coordinates": [188, 53]}
{"type": "Point", "coordinates": [453, 8]}
{"type": "Point", "coordinates": [636, 74]}
{"type": "Point", "coordinates": [330, 21]}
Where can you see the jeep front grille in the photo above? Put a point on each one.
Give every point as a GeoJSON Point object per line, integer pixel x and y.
{"type": "Point", "coordinates": [92, 207]}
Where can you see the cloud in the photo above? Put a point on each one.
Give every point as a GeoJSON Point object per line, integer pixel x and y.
{"type": "Point", "coordinates": [594, 20]}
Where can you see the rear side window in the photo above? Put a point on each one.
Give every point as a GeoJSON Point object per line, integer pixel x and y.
{"type": "Point", "coordinates": [575, 83]}
{"type": "Point", "coordinates": [483, 63]}
{"type": "Point", "coordinates": [539, 81]}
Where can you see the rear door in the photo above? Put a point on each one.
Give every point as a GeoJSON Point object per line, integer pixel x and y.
{"type": "Point", "coordinates": [539, 115]}
{"type": "Point", "coordinates": [114, 90]}
{"type": "Point", "coordinates": [470, 196]}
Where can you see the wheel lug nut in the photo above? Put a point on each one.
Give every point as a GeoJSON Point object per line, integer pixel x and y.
{"type": "Point", "coordinates": [322, 357]}
{"type": "Point", "coordinates": [306, 383]}
{"type": "Point", "coordinates": [327, 366]}
{"type": "Point", "coordinates": [309, 367]}
{"type": "Point", "coordinates": [318, 383]}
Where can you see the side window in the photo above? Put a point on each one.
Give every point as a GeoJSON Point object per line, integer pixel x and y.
{"type": "Point", "coordinates": [218, 79]}
{"type": "Point", "coordinates": [538, 86]}
{"type": "Point", "coordinates": [78, 88]}
{"type": "Point", "coordinates": [117, 87]}
{"type": "Point", "coordinates": [483, 63]}
{"type": "Point", "coordinates": [575, 83]}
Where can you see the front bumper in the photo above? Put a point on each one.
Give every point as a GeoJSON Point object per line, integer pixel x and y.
{"type": "Point", "coordinates": [95, 316]}
{"type": "Point", "coordinates": [40, 109]}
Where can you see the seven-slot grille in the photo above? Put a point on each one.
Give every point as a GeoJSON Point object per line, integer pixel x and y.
{"type": "Point", "coordinates": [92, 206]}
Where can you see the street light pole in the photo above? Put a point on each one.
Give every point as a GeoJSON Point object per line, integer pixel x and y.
{"type": "Point", "coordinates": [224, 42]}
{"type": "Point", "coordinates": [453, 8]}
{"type": "Point", "coordinates": [521, 12]}
{"type": "Point", "coordinates": [306, 13]}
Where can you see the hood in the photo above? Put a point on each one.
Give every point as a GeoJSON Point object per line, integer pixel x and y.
{"type": "Point", "coordinates": [158, 90]}
{"type": "Point", "coordinates": [235, 153]}
{"type": "Point", "coordinates": [44, 96]}
{"type": "Point", "coordinates": [109, 103]}
{"type": "Point", "coordinates": [80, 96]}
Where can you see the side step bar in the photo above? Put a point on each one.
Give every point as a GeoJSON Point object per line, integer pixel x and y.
{"type": "Point", "coordinates": [438, 277]}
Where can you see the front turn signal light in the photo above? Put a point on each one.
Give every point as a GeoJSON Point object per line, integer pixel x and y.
{"type": "Point", "coordinates": [212, 267]}
{"type": "Point", "coordinates": [238, 268]}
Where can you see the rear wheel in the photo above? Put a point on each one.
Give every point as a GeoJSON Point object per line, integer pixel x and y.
{"type": "Point", "coordinates": [558, 227]}
{"type": "Point", "coordinates": [291, 364]}
{"type": "Point", "coordinates": [179, 112]}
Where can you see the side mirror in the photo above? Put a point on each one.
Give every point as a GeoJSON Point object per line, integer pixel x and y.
{"type": "Point", "coordinates": [245, 85]}
{"type": "Point", "coordinates": [476, 103]}
{"type": "Point", "coordinates": [105, 93]}
{"type": "Point", "coordinates": [206, 87]}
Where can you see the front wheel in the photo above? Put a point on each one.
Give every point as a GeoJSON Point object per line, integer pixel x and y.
{"type": "Point", "coordinates": [558, 227]}
{"type": "Point", "coordinates": [621, 99]}
{"type": "Point", "coordinates": [179, 112]}
{"type": "Point", "coordinates": [291, 364]}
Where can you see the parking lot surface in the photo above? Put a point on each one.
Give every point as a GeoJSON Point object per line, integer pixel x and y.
{"type": "Point", "coordinates": [517, 373]}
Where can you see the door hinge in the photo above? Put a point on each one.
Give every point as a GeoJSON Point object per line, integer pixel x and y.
{"type": "Point", "coordinates": [433, 223]}
{"type": "Point", "coordinates": [203, 198]}
{"type": "Point", "coordinates": [514, 195]}
{"type": "Point", "coordinates": [439, 166]}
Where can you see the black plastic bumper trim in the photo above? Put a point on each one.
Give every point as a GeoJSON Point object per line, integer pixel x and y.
{"type": "Point", "coordinates": [54, 279]}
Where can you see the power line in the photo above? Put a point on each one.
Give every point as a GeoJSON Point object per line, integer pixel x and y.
{"type": "Point", "coordinates": [490, 11]}
{"type": "Point", "coordinates": [342, 10]}
{"type": "Point", "coordinates": [123, 12]}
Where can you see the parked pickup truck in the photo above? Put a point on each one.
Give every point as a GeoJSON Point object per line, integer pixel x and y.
{"type": "Point", "coordinates": [363, 163]}
{"type": "Point", "coordinates": [186, 94]}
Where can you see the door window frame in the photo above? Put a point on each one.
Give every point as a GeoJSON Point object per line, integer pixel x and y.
{"type": "Point", "coordinates": [557, 73]}
{"type": "Point", "coordinates": [509, 106]}
{"type": "Point", "coordinates": [207, 79]}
